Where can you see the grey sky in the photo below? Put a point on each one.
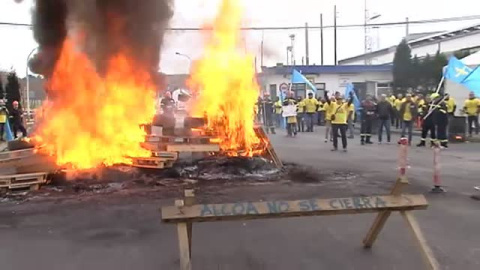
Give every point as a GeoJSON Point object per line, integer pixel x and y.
{"type": "Point", "coordinates": [17, 42]}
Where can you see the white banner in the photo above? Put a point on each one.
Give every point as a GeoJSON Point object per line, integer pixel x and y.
{"type": "Point", "coordinates": [290, 110]}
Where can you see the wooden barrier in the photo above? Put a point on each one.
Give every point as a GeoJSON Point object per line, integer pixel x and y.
{"type": "Point", "coordinates": [184, 213]}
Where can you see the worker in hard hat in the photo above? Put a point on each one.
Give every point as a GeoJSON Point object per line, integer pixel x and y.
{"type": "Point", "coordinates": [16, 119]}
{"type": "Point", "coordinates": [451, 105]}
{"type": "Point", "coordinates": [441, 118]}
{"type": "Point", "coordinates": [408, 112]}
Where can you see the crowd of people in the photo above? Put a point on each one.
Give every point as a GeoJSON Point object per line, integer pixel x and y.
{"type": "Point", "coordinates": [430, 113]}
{"type": "Point", "coordinates": [14, 117]}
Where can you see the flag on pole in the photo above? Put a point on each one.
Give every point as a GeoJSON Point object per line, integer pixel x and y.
{"type": "Point", "coordinates": [472, 81]}
{"type": "Point", "coordinates": [456, 70]}
{"type": "Point", "coordinates": [349, 89]}
{"type": "Point", "coordinates": [297, 77]}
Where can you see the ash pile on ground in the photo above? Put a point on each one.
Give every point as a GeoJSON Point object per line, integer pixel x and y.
{"type": "Point", "coordinates": [208, 172]}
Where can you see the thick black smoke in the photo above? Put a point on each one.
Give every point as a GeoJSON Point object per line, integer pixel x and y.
{"type": "Point", "coordinates": [49, 30]}
{"type": "Point", "coordinates": [107, 26]}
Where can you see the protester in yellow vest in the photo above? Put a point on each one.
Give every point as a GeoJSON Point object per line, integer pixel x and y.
{"type": "Point", "coordinates": [278, 113]}
{"type": "Point", "coordinates": [339, 115]}
{"type": "Point", "coordinates": [408, 114]}
{"type": "Point", "coordinates": [311, 106]}
{"type": "Point", "coordinates": [300, 115]}
{"type": "Point", "coordinates": [328, 121]}
{"type": "Point", "coordinates": [291, 120]}
{"type": "Point", "coordinates": [397, 104]}
{"type": "Point", "coordinates": [3, 118]}
{"type": "Point", "coordinates": [320, 112]}
{"type": "Point", "coordinates": [451, 104]}
{"type": "Point", "coordinates": [472, 109]}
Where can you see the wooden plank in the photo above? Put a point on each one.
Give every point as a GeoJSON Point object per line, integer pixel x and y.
{"type": "Point", "coordinates": [193, 148]}
{"type": "Point", "coordinates": [189, 201]}
{"type": "Point", "coordinates": [280, 209]}
{"type": "Point", "coordinates": [272, 154]}
{"type": "Point", "coordinates": [382, 217]}
{"type": "Point", "coordinates": [427, 253]}
{"type": "Point", "coordinates": [183, 242]}
{"type": "Point", "coordinates": [24, 175]}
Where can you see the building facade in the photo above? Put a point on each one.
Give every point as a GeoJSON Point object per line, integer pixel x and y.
{"type": "Point", "coordinates": [370, 79]}
{"type": "Point", "coordinates": [465, 40]}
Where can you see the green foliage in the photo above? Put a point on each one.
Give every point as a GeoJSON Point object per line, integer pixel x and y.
{"type": "Point", "coordinates": [402, 66]}
{"type": "Point", "coordinates": [1, 89]}
{"type": "Point", "coordinates": [414, 72]}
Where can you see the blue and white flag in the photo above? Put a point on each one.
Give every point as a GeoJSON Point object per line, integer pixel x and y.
{"type": "Point", "coordinates": [456, 70]}
{"type": "Point", "coordinates": [356, 101]}
{"type": "Point", "coordinates": [297, 77]}
{"type": "Point", "coordinates": [472, 81]}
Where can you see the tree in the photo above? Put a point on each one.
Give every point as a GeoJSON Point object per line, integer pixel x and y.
{"type": "Point", "coordinates": [439, 62]}
{"type": "Point", "coordinates": [12, 89]}
{"type": "Point", "coordinates": [1, 89]}
{"type": "Point", "coordinates": [402, 66]}
{"type": "Point", "coordinates": [416, 78]}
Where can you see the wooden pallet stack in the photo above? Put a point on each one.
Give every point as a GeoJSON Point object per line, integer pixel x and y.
{"type": "Point", "coordinates": [17, 181]}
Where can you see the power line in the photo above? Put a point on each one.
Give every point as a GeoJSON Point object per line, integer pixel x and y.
{"type": "Point", "coordinates": [276, 28]}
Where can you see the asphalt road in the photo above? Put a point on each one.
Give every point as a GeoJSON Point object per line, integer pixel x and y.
{"type": "Point", "coordinates": [121, 231]}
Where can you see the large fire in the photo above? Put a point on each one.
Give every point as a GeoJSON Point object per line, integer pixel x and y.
{"type": "Point", "coordinates": [225, 84]}
{"type": "Point", "coordinates": [92, 119]}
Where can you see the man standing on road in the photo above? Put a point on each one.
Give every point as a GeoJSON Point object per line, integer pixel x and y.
{"type": "Point", "coordinates": [350, 121]}
{"type": "Point", "coordinates": [278, 113]}
{"type": "Point", "coordinates": [268, 112]}
{"type": "Point", "coordinates": [300, 115]}
{"type": "Point", "coordinates": [408, 112]}
{"type": "Point", "coordinates": [16, 119]}
{"type": "Point", "coordinates": [451, 105]}
{"type": "Point", "coordinates": [327, 107]}
{"type": "Point", "coordinates": [441, 119]}
{"type": "Point", "coordinates": [368, 114]}
{"type": "Point", "coordinates": [384, 112]}
{"type": "Point", "coordinates": [291, 120]}
{"type": "Point", "coordinates": [339, 110]}
{"type": "Point", "coordinates": [472, 108]}
{"type": "Point", "coordinates": [398, 105]}
{"type": "Point", "coordinates": [428, 124]}
{"type": "Point", "coordinates": [311, 105]}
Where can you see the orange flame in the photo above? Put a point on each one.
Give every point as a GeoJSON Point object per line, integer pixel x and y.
{"type": "Point", "coordinates": [225, 84]}
{"type": "Point", "coordinates": [92, 119]}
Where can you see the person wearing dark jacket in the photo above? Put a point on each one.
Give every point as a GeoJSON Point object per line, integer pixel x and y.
{"type": "Point", "coordinates": [408, 113]}
{"type": "Point", "coordinates": [268, 111]}
{"type": "Point", "coordinates": [384, 112]}
{"type": "Point", "coordinates": [369, 108]}
{"type": "Point", "coordinates": [16, 119]}
{"type": "Point", "coordinates": [428, 123]}
{"type": "Point", "coordinates": [440, 115]}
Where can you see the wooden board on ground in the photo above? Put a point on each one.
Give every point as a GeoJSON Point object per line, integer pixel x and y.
{"type": "Point", "coordinates": [270, 151]}
{"type": "Point", "coordinates": [152, 163]}
{"type": "Point", "coordinates": [282, 209]}
{"type": "Point", "coordinates": [25, 161]}
{"type": "Point", "coordinates": [193, 148]}
{"type": "Point", "coordinates": [30, 180]}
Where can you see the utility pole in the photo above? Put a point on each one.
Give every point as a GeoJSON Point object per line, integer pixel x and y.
{"type": "Point", "coordinates": [307, 53]}
{"type": "Point", "coordinates": [261, 49]}
{"type": "Point", "coordinates": [407, 27]}
{"type": "Point", "coordinates": [321, 38]}
{"type": "Point", "coordinates": [292, 49]}
{"type": "Point", "coordinates": [365, 40]}
{"type": "Point", "coordinates": [335, 33]}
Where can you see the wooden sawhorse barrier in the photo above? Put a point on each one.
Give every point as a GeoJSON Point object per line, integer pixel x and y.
{"type": "Point", "coordinates": [185, 213]}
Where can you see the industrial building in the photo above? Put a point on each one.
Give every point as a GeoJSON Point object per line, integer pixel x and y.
{"type": "Point", "coordinates": [464, 39]}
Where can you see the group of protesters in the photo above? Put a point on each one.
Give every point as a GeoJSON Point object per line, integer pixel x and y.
{"type": "Point", "coordinates": [430, 113]}
{"type": "Point", "coordinates": [12, 118]}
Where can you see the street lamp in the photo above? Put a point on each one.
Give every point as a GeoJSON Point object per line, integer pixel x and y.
{"type": "Point", "coordinates": [189, 60]}
{"type": "Point", "coordinates": [28, 83]}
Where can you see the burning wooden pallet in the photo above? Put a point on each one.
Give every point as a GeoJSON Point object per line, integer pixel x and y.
{"type": "Point", "coordinates": [29, 180]}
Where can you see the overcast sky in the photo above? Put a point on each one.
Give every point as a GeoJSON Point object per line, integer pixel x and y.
{"type": "Point", "coordinates": [17, 42]}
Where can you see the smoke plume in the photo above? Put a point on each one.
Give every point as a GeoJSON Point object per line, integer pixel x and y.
{"type": "Point", "coordinates": [103, 27]}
